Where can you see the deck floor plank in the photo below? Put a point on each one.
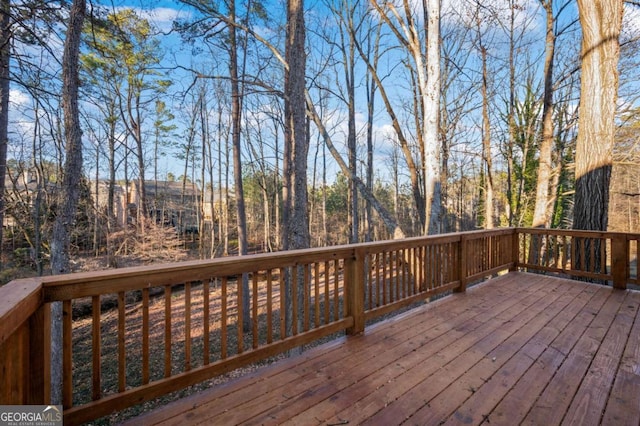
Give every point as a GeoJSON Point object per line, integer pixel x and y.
{"type": "Point", "coordinates": [519, 349]}
{"type": "Point", "coordinates": [427, 361]}
{"type": "Point", "coordinates": [590, 400]}
{"type": "Point", "coordinates": [486, 397]}
{"type": "Point", "coordinates": [554, 401]}
{"type": "Point", "coordinates": [513, 408]}
{"type": "Point", "coordinates": [355, 367]}
{"type": "Point", "coordinates": [623, 403]}
{"type": "Point", "coordinates": [280, 394]}
{"type": "Point", "coordinates": [509, 360]}
{"type": "Point", "coordinates": [505, 325]}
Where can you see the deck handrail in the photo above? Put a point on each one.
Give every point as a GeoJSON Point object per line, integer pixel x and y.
{"type": "Point", "coordinates": [196, 309]}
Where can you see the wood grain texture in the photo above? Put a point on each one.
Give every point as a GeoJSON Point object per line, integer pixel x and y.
{"type": "Point", "coordinates": [520, 348]}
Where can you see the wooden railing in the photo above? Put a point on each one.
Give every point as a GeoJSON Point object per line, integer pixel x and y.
{"type": "Point", "coordinates": [606, 257]}
{"type": "Point", "coordinates": [134, 334]}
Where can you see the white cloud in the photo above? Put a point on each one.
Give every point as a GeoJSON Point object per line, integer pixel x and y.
{"type": "Point", "coordinates": [163, 17]}
{"type": "Point", "coordinates": [18, 98]}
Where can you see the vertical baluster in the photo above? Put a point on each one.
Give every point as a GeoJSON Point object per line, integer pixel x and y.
{"type": "Point", "coordinates": [96, 344]}
{"type": "Point", "coordinates": [306, 293]}
{"type": "Point", "coordinates": [316, 293]}
{"type": "Point", "coordinates": [414, 270]}
{"type": "Point", "coordinates": [145, 336]}
{"type": "Point", "coordinates": [254, 319]}
{"type": "Point", "coordinates": [384, 279]}
{"type": "Point", "coordinates": [167, 331]}
{"type": "Point", "coordinates": [378, 283]}
{"type": "Point", "coordinates": [327, 291]}
{"type": "Point", "coordinates": [451, 262]}
{"type": "Point", "coordinates": [420, 252]}
{"type": "Point", "coordinates": [294, 298]}
{"type": "Point", "coordinates": [603, 255]}
{"type": "Point", "coordinates": [240, 312]}
{"type": "Point", "coordinates": [67, 355]}
{"type": "Point", "coordinates": [369, 284]}
{"type": "Point", "coordinates": [405, 282]}
{"type": "Point", "coordinates": [336, 290]}
{"type": "Point", "coordinates": [429, 256]}
{"type": "Point", "coordinates": [121, 344]}
{"type": "Point", "coordinates": [282, 292]}
{"type": "Point", "coordinates": [269, 307]}
{"type": "Point", "coordinates": [187, 326]}
{"type": "Point", "coordinates": [206, 344]}
{"type": "Point", "coordinates": [223, 318]}
{"type": "Point", "coordinates": [393, 270]}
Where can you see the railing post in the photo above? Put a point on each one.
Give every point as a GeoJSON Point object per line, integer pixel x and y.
{"type": "Point", "coordinates": [462, 263]}
{"type": "Point", "coordinates": [515, 250]}
{"type": "Point", "coordinates": [619, 260]}
{"type": "Point", "coordinates": [39, 357]}
{"type": "Point", "coordinates": [354, 281]}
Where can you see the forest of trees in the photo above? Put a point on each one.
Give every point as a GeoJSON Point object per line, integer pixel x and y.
{"type": "Point", "coordinates": [283, 125]}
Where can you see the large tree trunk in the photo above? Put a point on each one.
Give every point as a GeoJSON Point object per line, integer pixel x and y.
{"type": "Point", "coordinates": [601, 21]}
{"type": "Point", "coordinates": [296, 148]}
{"type": "Point", "coordinates": [70, 190]}
{"type": "Point", "coordinates": [5, 57]}
{"type": "Point", "coordinates": [431, 105]}
{"type": "Point", "coordinates": [296, 126]}
{"type": "Point", "coordinates": [543, 207]}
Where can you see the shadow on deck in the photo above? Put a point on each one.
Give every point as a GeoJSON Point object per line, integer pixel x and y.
{"type": "Point", "coordinates": [520, 348]}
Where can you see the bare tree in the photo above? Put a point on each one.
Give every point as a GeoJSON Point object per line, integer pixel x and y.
{"type": "Point", "coordinates": [5, 57]}
{"type": "Point", "coordinates": [544, 202]}
{"type": "Point", "coordinates": [70, 190]}
{"type": "Point", "coordinates": [426, 68]}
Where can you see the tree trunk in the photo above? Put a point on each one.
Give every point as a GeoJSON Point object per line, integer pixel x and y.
{"type": "Point", "coordinates": [236, 118]}
{"type": "Point", "coordinates": [431, 101]}
{"type": "Point", "coordinates": [5, 57]}
{"type": "Point", "coordinates": [601, 21]}
{"type": "Point", "coordinates": [70, 190]}
{"type": "Point", "coordinates": [349, 68]}
{"type": "Point", "coordinates": [296, 149]}
{"type": "Point", "coordinates": [511, 119]}
{"type": "Point", "coordinates": [372, 88]}
{"type": "Point", "coordinates": [486, 144]}
{"type": "Point", "coordinates": [542, 210]}
{"type": "Point", "coordinates": [111, 212]}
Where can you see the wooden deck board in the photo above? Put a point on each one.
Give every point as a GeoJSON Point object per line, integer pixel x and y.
{"type": "Point", "coordinates": [521, 348]}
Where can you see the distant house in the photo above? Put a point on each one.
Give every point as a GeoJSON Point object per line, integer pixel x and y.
{"type": "Point", "coordinates": [171, 203]}
{"type": "Point", "coordinates": [120, 199]}
{"type": "Point", "coordinates": [168, 202]}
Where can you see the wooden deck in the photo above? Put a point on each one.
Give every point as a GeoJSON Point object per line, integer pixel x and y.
{"type": "Point", "coordinates": [519, 349]}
